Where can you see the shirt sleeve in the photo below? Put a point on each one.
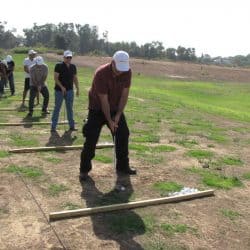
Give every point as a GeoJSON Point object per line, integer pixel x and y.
{"type": "Point", "coordinates": [58, 68]}
{"type": "Point", "coordinates": [100, 83]}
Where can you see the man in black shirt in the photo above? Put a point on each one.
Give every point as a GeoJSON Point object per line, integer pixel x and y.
{"type": "Point", "coordinates": [65, 75]}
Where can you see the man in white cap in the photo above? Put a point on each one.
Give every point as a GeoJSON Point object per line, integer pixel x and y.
{"type": "Point", "coordinates": [10, 70]}
{"type": "Point", "coordinates": [27, 63]}
{"type": "Point", "coordinates": [107, 99]}
{"type": "Point", "coordinates": [38, 75]}
{"type": "Point", "coordinates": [65, 75]}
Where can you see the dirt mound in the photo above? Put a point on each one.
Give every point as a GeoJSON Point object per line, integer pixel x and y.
{"type": "Point", "coordinates": [176, 70]}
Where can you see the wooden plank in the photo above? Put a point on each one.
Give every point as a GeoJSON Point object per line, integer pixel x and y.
{"type": "Point", "coordinates": [56, 148]}
{"type": "Point", "coordinates": [19, 109]}
{"type": "Point", "coordinates": [30, 123]}
{"type": "Point", "coordinates": [135, 204]}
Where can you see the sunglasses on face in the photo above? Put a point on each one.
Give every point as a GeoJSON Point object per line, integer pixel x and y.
{"type": "Point", "coordinates": [69, 57]}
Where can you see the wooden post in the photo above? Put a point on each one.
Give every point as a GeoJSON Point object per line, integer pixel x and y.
{"type": "Point", "coordinates": [30, 123]}
{"type": "Point", "coordinates": [56, 148]}
{"type": "Point", "coordinates": [88, 211]}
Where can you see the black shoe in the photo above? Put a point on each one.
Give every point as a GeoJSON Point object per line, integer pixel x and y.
{"type": "Point", "coordinates": [83, 176]}
{"type": "Point", "coordinates": [29, 114]}
{"type": "Point", "coordinates": [53, 130]}
{"type": "Point", "coordinates": [126, 171]}
{"type": "Point", "coordinates": [73, 129]}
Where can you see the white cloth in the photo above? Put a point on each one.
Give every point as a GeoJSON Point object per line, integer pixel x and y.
{"type": "Point", "coordinates": [27, 62]}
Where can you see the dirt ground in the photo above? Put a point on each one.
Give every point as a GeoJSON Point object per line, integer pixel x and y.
{"type": "Point", "coordinates": [25, 203]}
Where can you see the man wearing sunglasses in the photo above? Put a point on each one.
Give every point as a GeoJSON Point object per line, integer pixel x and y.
{"type": "Point", "coordinates": [107, 100]}
{"type": "Point", "coordinates": [65, 76]}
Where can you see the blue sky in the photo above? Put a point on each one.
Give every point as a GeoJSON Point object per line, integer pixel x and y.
{"type": "Point", "coordinates": [215, 27]}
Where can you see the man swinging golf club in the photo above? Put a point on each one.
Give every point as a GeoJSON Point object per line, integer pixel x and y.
{"type": "Point", "coordinates": [107, 99]}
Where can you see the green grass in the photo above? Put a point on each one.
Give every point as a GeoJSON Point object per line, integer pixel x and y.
{"type": "Point", "coordinates": [29, 172]}
{"type": "Point", "coordinates": [230, 160]}
{"type": "Point", "coordinates": [165, 187]}
{"type": "Point", "coordinates": [216, 180]}
{"type": "Point", "coordinates": [186, 143]}
{"type": "Point", "coordinates": [4, 154]}
{"type": "Point", "coordinates": [103, 158]}
{"type": "Point", "coordinates": [232, 215]}
{"type": "Point", "coordinates": [171, 229]}
{"type": "Point", "coordinates": [70, 206]}
{"type": "Point", "coordinates": [200, 154]}
{"type": "Point", "coordinates": [54, 160]}
{"type": "Point", "coordinates": [56, 189]}
{"type": "Point", "coordinates": [21, 140]}
{"type": "Point", "coordinates": [246, 176]}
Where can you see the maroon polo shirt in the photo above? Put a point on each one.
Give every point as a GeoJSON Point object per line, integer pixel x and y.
{"type": "Point", "coordinates": [105, 82]}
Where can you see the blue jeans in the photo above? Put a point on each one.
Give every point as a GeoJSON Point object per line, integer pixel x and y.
{"type": "Point", "coordinates": [69, 98]}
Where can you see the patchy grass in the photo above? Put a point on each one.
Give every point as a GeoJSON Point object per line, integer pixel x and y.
{"type": "Point", "coordinates": [103, 158]}
{"type": "Point", "coordinates": [53, 160]}
{"type": "Point", "coordinates": [232, 215]}
{"type": "Point", "coordinates": [172, 229]}
{"type": "Point", "coordinates": [4, 154]}
{"type": "Point", "coordinates": [246, 176]}
{"type": "Point", "coordinates": [230, 160]}
{"type": "Point", "coordinates": [70, 206]}
{"type": "Point", "coordinates": [165, 187]}
{"type": "Point", "coordinates": [186, 143]}
{"type": "Point", "coordinates": [56, 189]}
{"type": "Point", "coordinates": [215, 180]}
{"type": "Point", "coordinates": [29, 172]}
{"type": "Point", "coordinates": [151, 138]}
{"type": "Point", "coordinates": [200, 154]}
{"type": "Point", "coordinates": [23, 140]}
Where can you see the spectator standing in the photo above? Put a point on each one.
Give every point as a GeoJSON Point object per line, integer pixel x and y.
{"type": "Point", "coordinates": [38, 75]}
{"type": "Point", "coordinates": [10, 75]}
{"type": "Point", "coordinates": [3, 76]}
{"type": "Point", "coordinates": [27, 63]}
{"type": "Point", "coordinates": [65, 76]}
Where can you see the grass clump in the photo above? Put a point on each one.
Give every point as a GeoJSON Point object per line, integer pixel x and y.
{"type": "Point", "coordinates": [186, 143]}
{"type": "Point", "coordinates": [29, 172]}
{"type": "Point", "coordinates": [4, 154]}
{"type": "Point", "coordinates": [23, 140]}
{"type": "Point", "coordinates": [232, 215]}
{"type": "Point", "coordinates": [215, 180]}
{"type": "Point", "coordinates": [56, 189]}
{"type": "Point", "coordinates": [165, 187]}
{"type": "Point", "coordinates": [200, 154]}
{"type": "Point", "coordinates": [231, 161]}
{"type": "Point", "coordinates": [247, 176]}
{"type": "Point", "coordinates": [53, 160]}
{"type": "Point", "coordinates": [103, 159]}
{"type": "Point", "coordinates": [70, 206]}
{"type": "Point", "coordinates": [171, 229]}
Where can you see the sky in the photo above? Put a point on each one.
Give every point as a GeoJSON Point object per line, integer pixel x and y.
{"type": "Point", "coordinates": [214, 27]}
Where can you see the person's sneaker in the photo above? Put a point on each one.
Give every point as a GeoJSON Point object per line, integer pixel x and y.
{"type": "Point", "coordinates": [126, 171]}
{"type": "Point", "coordinates": [83, 176]}
{"type": "Point", "coordinates": [29, 114]}
{"type": "Point", "coordinates": [73, 129]}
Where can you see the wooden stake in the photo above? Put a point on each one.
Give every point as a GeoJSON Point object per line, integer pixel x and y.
{"type": "Point", "coordinates": [56, 148]}
{"type": "Point", "coordinates": [29, 123]}
{"type": "Point", "coordinates": [88, 211]}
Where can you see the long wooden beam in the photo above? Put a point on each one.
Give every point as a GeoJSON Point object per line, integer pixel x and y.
{"type": "Point", "coordinates": [135, 204]}
{"type": "Point", "coordinates": [18, 109]}
{"type": "Point", "coordinates": [29, 123]}
{"type": "Point", "coordinates": [56, 148]}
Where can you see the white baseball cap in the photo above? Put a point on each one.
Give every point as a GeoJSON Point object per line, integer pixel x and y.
{"type": "Point", "coordinates": [39, 60]}
{"type": "Point", "coordinates": [9, 58]}
{"type": "Point", "coordinates": [121, 59]}
{"type": "Point", "coordinates": [32, 52]}
{"type": "Point", "coordinates": [67, 53]}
